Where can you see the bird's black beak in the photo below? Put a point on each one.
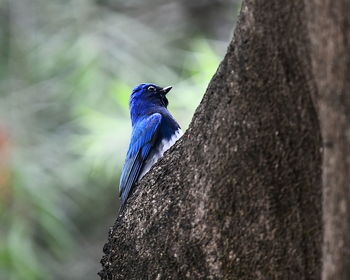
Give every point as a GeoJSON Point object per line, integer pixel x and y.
{"type": "Point", "coordinates": [167, 89]}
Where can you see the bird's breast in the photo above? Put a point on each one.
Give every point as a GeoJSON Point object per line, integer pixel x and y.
{"type": "Point", "coordinates": [158, 151]}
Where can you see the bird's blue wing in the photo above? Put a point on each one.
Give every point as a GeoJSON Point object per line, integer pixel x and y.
{"type": "Point", "coordinates": [143, 136]}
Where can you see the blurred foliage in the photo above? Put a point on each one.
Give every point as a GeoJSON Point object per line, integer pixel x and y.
{"type": "Point", "coordinates": [66, 71]}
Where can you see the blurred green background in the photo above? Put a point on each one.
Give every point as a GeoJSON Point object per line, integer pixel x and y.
{"type": "Point", "coordinates": [66, 71]}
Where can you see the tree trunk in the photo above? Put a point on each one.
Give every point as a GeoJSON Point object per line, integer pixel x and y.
{"type": "Point", "coordinates": [239, 196]}
{"type": "Point", "coordinates": [330, 33]}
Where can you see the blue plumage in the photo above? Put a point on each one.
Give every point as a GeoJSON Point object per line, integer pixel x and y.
{"type": "Point", "coordinates": [154, 130]}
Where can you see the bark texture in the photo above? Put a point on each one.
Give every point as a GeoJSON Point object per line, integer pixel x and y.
{"type": "Point", "coordinates": [330, 33]}
{"type": "Point", "coordinates": [239, 196]}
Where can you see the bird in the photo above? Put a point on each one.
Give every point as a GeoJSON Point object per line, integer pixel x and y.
{"type": "Point", "coordinates": [154, 130]}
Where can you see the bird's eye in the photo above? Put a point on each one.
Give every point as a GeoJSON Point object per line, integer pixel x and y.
{"type": "Point", "coordinates": [151, 88]}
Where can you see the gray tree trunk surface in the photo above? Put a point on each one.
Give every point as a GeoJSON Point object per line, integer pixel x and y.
{"type": "Point", "coordinates": [330, 37]}
{"type": "Point", "coordinates": [240, 195]}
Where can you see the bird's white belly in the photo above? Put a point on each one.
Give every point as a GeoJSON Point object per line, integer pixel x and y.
{"type": "Point", "coordinates": [158, 153]}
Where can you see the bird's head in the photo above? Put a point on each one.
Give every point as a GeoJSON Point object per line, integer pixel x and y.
{"type": "Point", "coordinates": [150, 93]}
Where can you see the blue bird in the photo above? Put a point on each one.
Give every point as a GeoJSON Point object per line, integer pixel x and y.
{"type": "Point", "coordinates": [154, 130]}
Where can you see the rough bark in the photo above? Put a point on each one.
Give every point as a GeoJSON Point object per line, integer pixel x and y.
{"type": "Point", "coordinates": [239, 196]}
{"type": "Point", "coordinates": [330, 33]}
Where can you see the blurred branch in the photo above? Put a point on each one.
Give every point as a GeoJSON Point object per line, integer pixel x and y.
{"type": "Point", "coordinates": [5, 39]}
